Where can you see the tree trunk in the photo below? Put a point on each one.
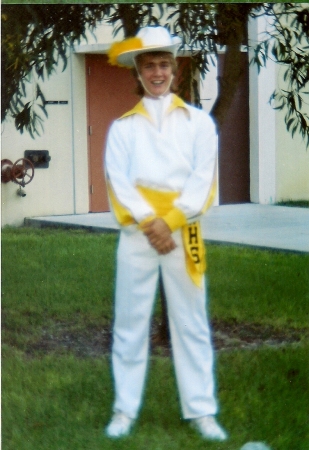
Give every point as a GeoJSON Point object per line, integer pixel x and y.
{"type": "Point", "coordinates": [232, 23]}
{"type": "Point", "coordinates": [129, 15]}
{"type": "Point", "coordinates": [227, 83]}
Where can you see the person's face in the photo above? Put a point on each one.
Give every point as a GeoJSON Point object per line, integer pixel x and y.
{"type": "Point", "coordinates": [156, 73]}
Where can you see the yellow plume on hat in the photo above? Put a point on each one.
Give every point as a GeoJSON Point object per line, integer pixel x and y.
{"type": "Point", "coordinates": [117, 48]}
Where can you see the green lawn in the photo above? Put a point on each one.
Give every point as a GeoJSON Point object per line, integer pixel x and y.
{"type": "Point", "coordinates": [294, 203]}
{"type": "Point", "coordinates": [62, 402]}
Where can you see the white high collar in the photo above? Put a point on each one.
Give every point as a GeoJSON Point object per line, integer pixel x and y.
{"type": "Point", "coordinates": [156, 107]}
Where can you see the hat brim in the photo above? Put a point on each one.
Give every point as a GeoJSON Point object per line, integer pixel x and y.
{"type": "Point", "coordinates": [127, 58]}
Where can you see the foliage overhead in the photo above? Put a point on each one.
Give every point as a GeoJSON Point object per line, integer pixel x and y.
{"type": "Point", "coordinates": [287, 43]}
{"type": "Point", "coordinates": [36, 38]}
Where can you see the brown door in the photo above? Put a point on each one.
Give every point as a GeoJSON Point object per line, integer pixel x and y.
{"type": "Point", "coordinates": [234, 170]}
{"type": "Point", "coordinates": [110, 93]}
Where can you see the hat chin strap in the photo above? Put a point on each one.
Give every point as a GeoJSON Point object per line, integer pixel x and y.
{"type": "Point", "coordinates": [153, 95]}
{"type": "Point", "coordinates": [146, 90]}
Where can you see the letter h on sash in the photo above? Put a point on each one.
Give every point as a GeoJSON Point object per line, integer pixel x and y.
{"type": "Point", "coordinates": [194, 243]}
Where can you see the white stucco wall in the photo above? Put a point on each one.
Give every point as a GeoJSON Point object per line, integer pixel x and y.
{"type": "Point", "coordinates": [292, 168]}
{"type": "Point", "coordinates": [262, 125]}
{"type": "Point", "coordinates": [279, 164]}
{"type": "Point", "coordinates": [63, 187]}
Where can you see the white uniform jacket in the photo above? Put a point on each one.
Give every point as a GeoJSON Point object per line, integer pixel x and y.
{"type": "Point", "coordinates": [179, 155]}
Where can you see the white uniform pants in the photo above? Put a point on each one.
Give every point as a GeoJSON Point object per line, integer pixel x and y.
{"type": "Point", "coordinates": [137, 275]}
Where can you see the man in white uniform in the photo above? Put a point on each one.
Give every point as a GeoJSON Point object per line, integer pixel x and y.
{"type": "Point", "coordinates": [160, 170]}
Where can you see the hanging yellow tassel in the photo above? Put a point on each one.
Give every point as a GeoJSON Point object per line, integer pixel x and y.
{"type": "Point", "coordinates": [117, 48]}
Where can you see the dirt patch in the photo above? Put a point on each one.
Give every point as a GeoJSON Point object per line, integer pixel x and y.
{"type": "Point", "coordinates": [95, 342]}
{"type": "Point", "coordinates": [228, 335]}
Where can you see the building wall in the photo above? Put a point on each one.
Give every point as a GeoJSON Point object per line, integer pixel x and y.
{"type": "Point", "coordinates": [292, 171]}
{"type": "Point", "coordinates": [262, 125]}
{"type": "Point", "coordinates": [292, 168]}
{"type": "Point", "coordinates": [63, 187]}
{"type": "Point", "coordinates": [279, 164]}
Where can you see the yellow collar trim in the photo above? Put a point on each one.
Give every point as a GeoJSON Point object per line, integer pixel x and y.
{"type": "Point", "coordinates": [177, 102]}
{"type": "Point", "coordinates": [138, 109]}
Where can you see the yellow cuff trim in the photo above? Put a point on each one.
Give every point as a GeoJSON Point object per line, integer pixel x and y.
{"type": "Point", "coordinates": [144, 221]}
{"type": "Point", "coordinates": [175, 219]}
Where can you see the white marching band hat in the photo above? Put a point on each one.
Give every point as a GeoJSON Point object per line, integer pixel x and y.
{"type": "Point", "coordinates": [148, 39]}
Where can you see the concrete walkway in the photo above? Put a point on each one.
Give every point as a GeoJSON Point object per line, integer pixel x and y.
{"type": "Point", "coordinates": [261, 226]}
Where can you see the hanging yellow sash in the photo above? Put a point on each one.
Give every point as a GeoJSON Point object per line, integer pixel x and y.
{"type": "Point", "coordinates": [195, 251]}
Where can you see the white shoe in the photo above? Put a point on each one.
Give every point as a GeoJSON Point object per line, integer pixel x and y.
{"type": "Point", "coordinates": [119, 426]}
{"type": "Point", "coordinates": [209, 428]}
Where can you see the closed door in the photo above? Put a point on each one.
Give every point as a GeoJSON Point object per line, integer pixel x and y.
{"type": "Point", "coordinates": [110, 93]}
